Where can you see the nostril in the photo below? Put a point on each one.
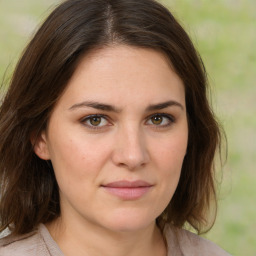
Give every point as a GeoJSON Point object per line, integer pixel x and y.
{"type": "Point", "coordinates": [130, 161]}
{"type": "Point", "coordinates": [130, 150]}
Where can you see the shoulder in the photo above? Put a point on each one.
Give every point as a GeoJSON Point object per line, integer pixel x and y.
{"type": "Point", "coordinates": [25, 245]}
{"type": "Point", "coordinates": [199, 246]}
{"type": "Point", "coordinates": [192, 244]}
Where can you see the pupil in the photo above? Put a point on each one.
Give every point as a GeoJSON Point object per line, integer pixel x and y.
{"type": "Point", "coordinates": [95, 121]}
{"type": "Point", "coordinates": [157, 119]}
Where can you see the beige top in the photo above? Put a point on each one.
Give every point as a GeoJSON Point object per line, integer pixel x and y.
{"type": "Point", "coordinates": [40, 243]}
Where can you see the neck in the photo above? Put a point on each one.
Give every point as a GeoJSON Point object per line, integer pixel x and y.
{"type": "Point", "coordinates": [91, 240]}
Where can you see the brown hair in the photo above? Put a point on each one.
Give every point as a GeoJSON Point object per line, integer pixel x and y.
{"type": "Point", "coordinates": [29, 191]}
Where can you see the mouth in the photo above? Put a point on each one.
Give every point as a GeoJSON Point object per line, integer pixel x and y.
{"type": "Point", "coordinates": [128, 190]}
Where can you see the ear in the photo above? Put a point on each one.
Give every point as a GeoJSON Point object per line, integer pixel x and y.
{"type": "Point", "coordinates": [40, 146]}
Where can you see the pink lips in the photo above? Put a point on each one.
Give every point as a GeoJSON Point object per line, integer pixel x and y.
{"type": "Point", "coordinates": [128, 190]}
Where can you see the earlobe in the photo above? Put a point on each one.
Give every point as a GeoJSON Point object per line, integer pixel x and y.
{"type": "Point", "coordinates": [40, 146]}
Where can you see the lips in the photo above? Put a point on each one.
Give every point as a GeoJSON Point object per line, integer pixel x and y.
{"type": "Point", "coordinates": [128, 184]}
{"type": "Point", "coordinates": [128, 190]}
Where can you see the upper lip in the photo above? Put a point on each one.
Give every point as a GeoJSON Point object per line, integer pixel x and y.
{"type": "Point", "coordinates": [127, 184]}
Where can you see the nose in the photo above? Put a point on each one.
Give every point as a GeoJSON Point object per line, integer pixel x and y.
{"type": "Point", "coordinates": [130, 149]}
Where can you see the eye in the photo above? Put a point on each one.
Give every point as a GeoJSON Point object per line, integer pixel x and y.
{"type": "Point", "coordinates": [162, 120]}
{"type": "Point", "coordinates": [95, 121]}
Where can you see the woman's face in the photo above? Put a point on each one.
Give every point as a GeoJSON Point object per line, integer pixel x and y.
{"type": "Point", "coordinates": [117, 138]}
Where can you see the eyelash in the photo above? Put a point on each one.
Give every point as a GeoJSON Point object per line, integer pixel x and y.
{"type": "Point", "coordinates": [90, 117]}
{"type": "Point", "coordinates": [170, 120]}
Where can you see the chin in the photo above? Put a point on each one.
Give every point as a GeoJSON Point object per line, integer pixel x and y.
{"type": "Point", "coordinates": [129, 222]}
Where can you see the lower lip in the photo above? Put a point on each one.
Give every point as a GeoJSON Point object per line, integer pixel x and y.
{"type": "Point", "coordinates": [128, 193]}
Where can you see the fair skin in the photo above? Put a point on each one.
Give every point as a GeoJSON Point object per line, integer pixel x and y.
{"type": "Point", "coordinates": [116, 138]}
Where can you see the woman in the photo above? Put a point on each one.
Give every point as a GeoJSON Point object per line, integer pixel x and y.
{"type": "Point", "coordinates": [107, 139]}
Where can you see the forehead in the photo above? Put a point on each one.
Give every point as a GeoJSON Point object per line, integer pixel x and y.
{"type": "Point", "coordinates": [135, 75]}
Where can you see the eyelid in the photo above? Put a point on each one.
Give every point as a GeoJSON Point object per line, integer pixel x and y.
{"type": "Point", "coordinates": [88, 117]}
{"type": "Point", "coordinates": [170, 117]}
{"type": "Point", "coordinates": [171, 120]}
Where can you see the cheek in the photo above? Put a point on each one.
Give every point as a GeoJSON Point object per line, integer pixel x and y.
{"type": "Point", "coordinates": [75, 158]}
{"type": "Point", "coordinates": [169, 159]}
{"type": "Point", "coordinates": [172, 152]}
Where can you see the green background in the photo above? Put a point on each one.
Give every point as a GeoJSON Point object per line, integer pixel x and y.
{"type": "Point", "coordinates": [224, 31]}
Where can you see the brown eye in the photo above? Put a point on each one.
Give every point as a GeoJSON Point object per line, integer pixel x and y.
{"type": "Point", "coordinates": [160, 120]}
{"type": "Point", "coordinates": [95, 121]}
{"type": "Point", "coordinates": [157, 120]}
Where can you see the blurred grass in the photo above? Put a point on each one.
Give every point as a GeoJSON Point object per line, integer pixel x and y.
{"type": "Point", "coordinates": [18, 21]}
{"type": "Point", "coordinates": [224, 31]}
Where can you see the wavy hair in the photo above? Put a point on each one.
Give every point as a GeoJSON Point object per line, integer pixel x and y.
{"type": "Point", "coordinates": [29, 191]}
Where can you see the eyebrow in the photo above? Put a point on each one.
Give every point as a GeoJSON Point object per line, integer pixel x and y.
{"type": "Point", "coordinates": [164, 105]}
{"type": "Point", "coordinates": [96, 105]}
{"type": "Point", "coordinates": [110, 108]}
